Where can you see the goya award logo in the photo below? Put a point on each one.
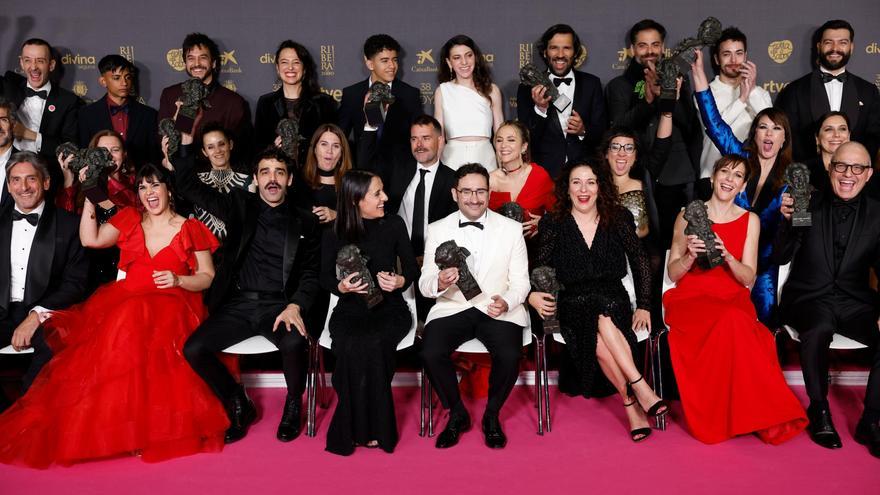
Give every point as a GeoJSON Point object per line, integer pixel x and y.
{"type": "Point", "coordinates": [525, 54]}
{"type": "Point", "coordinates": [328, 60]}
{"type": "Point", "coordinates": [80, 88]}
{"type": "Point", "coordinates": [228, 63]}
{"type": "Point", "coordinates": [581, 57]}
{"type": "Point", "coordinates": [779, 51]}
{"type": "Point", "coordinates": [622, 56]}
{"type": "Point", "coordinates": [174, 57]}
{"type": "Point", "coordinates": [425, 61]}
{"type": "Point", "coordinates": [230, 85]}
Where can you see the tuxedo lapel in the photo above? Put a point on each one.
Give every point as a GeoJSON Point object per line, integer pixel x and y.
{"type": "Point", "coordinates": [136, 116]}
{"type": "Point", "coordinates": [50, 110]}
{"type": "Point", "coordinates": [291, 242]}
{"type": "Point", "coordinates": [41, 256]}
{"type": "Point", "coordinates": [857, 226]}
{"type": "Point", "coordinates": [5, 242]}
{"type": "Point", "coordinates": [278, 103]}
{"type": "Point", "coordinates": [827, 234]}
{"type": "Point", "coordinates": [849, 101]}
{"type": "Point", "coordinates": [819, 105]}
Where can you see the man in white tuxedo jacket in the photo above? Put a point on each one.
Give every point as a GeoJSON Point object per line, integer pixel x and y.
{"type": "Point", "coordinates": [499, 263]}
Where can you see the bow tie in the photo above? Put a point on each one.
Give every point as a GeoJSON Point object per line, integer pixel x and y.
{"type": "Point", "coordinates": [462, 225]}
{"type": "Point", "coordinates": [827, 78]}
{"type": "Point", "coordinates": [839, 203]}
{"type": "Point", "coordinates": [32, 218]}
{"type": "Point", "coordinates": [114, 109]}
{"type": "Point", "coordinates": [41, 93]}
{"type": "Point", "coordinates": [561, 80]}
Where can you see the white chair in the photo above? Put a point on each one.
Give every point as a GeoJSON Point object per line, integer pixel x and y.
{"type": "Point", "coordinates": [9, 350]}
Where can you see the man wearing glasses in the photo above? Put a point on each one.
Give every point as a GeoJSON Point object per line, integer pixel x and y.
{"type": "Point", "coordinates": [828, 289]}
{"type": "Point", "coordinates": [497, 259]}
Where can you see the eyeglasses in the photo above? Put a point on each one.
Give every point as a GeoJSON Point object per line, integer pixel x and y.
{"type": "Point", "coordinates": [468, 193]}
{"type": "Point", "coordinates": [629, 149]}
{"type": "Point", "coordinates": [856, 168]}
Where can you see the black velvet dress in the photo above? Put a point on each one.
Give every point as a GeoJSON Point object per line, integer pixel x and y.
{"type": "Point", "coordinates": [591, 277]}
{"type": "Point", "coordinates": [307, 198]}
{"type": "Point", "coordinates": [365, 340]}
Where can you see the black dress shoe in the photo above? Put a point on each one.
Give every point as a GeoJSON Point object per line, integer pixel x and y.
{"type": "Point", "coordinates": [494, 435]}
{"type": "Point", "coordinates": [458, 423]}
{"type": "Point", "coordinates": [290, 425]}
{"type": "Point", "coordinates": [822, 430]}
{"type": "Point", "coordinates": [242, 413]}
{"type": "Point", "coordinates": [868, 434]}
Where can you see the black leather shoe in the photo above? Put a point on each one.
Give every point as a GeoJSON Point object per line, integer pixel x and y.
{"type": "Point", "coordinates": [494, 435]}
{"type": "Point", "coordinates": [868, 434]}
{"type": "Point", "coordinates": [822, 430]}
{"type": "Point", "coordinates": [242, 413]}
{"type": "Point", "coordinates": [290, 425]}
{"type": "Point", "coordinates": [458, 423]}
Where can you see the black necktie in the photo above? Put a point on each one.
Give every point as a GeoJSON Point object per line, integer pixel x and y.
{"type": "Point", "coordinates": [418, 217]}
{"type": "Point", "coordinates": [462, 225]}
{"type": "Point", "coordinates": [561, 80]}
{"type": "Point", "coordinates": [32, 218]}
{"type": "Point", "coordinates": [114, 109]}
{"type": "Point", "coordinates": [41, 93]}
{"type": "Point", "coordinates": [827, 78]}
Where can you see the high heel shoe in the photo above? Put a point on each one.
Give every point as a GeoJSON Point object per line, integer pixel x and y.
{"type": "Point", "coordinates": [658, 409]}
{"type": "Point", "coordinates": [638, 434]}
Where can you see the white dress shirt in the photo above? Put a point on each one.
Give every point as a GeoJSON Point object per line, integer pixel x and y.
{"type": "Point", "coordinates": [834, 90]}
{"type": "Point", "coordinates": [473, 239]}
{"type": "Point", "coordinates": [409, 196]}
{"type": "Point", "coordinates": [19, 253]}
{"type": "Point", "coordinates": [30, 114]}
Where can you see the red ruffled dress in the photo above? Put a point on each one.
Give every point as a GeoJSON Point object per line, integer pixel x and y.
{"type": "Point", "coordinates": [118, 383]}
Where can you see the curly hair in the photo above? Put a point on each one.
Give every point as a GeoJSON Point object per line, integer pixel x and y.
{"type": "Point", "coordinates": [607, 201]}
{"type": "Point", "coordinates": [482, 73]}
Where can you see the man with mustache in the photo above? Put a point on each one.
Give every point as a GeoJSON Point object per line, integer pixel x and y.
{"type": "Point", "coordinates": [559, 137]}
{"type": "Point", "coordinates": [831, 87]}
{"type": "Point", "coordinates": [265, 285]}
{"type": "Point", "coordinates": [633, 102]}
{"type": "Point", "coordinates": [7, 149]}
{"type": "Point", "coordinates": [737, 94]}
{"type": "Point", "coordinates": [201, 56]}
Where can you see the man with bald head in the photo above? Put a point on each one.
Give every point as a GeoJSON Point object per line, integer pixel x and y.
{"type": "Point", "coordinates": [828, 289]}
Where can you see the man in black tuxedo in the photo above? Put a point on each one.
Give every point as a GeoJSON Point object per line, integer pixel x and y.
{"type": "Point", "coordinates": [120, 111]}
{"type": "Point", "coordinates": [570, 135]}
{"type": "Point", "coordinates": [633, 99]}
{"type": "Point", "coordinates": [47, 113]}
{"type": "Point", "coordinates": [7, 121]}
{"type": "Point", "coordinates": [42, 263]}
{"type": "Point", "coordinates": [381, 54]}
{"type": "Point", "coordinates": [831, 87]}
{"type": "Point", "coordinates": [264, 286]}
{"type": "Point", "coordinates": [828, 289]}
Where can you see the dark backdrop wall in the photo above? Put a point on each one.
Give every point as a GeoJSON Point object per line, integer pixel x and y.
{"type": "Point", "coordinates": [150, 32]}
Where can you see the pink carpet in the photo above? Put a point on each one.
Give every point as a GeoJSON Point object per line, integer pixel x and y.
{"type": "Point", "coordinates": [587, 451]}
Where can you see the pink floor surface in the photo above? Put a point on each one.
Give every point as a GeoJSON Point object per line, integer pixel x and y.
{"type": "Point", "coordinates": [588, 451]}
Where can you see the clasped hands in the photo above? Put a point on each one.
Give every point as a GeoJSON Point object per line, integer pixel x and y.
{"type": "Point", "coordinates": [449, 276]}
{"type": "Point", "coordinates": [696, 246]}
{"type": "Point", "coordinates": [388, 281]}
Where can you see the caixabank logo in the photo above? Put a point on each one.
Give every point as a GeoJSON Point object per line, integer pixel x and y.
{"type": "Point", "coordinates": [424, 61]}
{"type": "Point", "coordinates": [780, 51]}
{"type": "Point", "coordinates": [328, 60]}
{"type": "Point", "coordinates": [228, 63]}
{"type": "Point", "coordinates": [174, 57]}
{"type": "Point", "coordinates": [79, 60]}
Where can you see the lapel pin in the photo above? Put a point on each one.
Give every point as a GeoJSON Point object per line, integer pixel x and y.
{"type": "Point", "coordinates": [51, 108]}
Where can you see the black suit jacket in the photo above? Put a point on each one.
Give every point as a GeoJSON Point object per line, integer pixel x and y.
{"type": "Point", "coordinates": [141, 141]}
{"type": "Point", "coordinates": [805, 100]}
{"type": "Point", "coordinates": [59, 118]}
{"type": "Point", "coordinates": [550, 145]}
{"type": "Point", "coordinates": [239, 210]}
{"type": "Point", "coordinates": [395, 132]}
{"type": "Point", "coordinates": [315, 110]}
{"type": "Point", "coordinates": [58, 269]}
{"type": "Point", "coordinates": [810, 251]}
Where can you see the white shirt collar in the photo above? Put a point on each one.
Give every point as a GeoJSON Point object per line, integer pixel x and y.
{"type": "Point", "coordinates": [38, 210]}
{"type": "Point", "coordinates": [482, 219]}
{"type": "Point", "coordinates": [431, 167]}
{"type": "Point", "coordinates": [823, 69]}
{"type": "Point", "coordinates": [569, 74]}
{"type": "Point", "coordinates": [47, 87]}
{"type": "Point", "coordinates": [370, 82]}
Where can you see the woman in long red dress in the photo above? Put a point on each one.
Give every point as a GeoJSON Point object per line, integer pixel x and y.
{"type": "Point", "coordinates": [724, 359]}
{"type": "Point", "coordinates": [118, 383]}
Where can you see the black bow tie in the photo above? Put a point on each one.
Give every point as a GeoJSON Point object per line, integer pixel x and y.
{"type": "Point", "coordinates": [561, 80]}
{"type": "Point", "coordinates": [839, 203]}
{"type": "Point", "coordinates": [462, 225]}
{"type": "Point", "coordinates": [32, 218]}
{"type": "Point", "coordinates": [827, 78]}
{"type": "Point", "coordinates": [114, 109]}
{"type": "Point", "coordinates": [41, 93]}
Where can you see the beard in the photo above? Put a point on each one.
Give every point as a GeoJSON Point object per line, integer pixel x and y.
{"type": "Point", "coordinates": [829, 65]}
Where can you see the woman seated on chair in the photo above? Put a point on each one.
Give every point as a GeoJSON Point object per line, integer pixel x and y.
{"type": "Point", "coordinates": [365, 337]}
{"type": "Point", "coordinates": [724, 359]}
{"type": "Point", "coordinates": [587, 240]}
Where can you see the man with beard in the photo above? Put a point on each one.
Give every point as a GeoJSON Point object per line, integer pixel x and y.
{"type": "Point", "coordinates": [737, 95]}
{"type": "Point", "coordinates": [559, 137]}
{"type": "Point", "coordinates": [633, 102]}
{"type": "Point", "coordinates": [7, 121]}
{"type": "Point", "coordinates": [831, 87]}
{"type": "Point", "coordinates": [201, 57]}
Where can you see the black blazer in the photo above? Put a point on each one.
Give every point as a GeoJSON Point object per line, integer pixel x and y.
{"type": "Point", "coordinates": [141, 141]}
{"type": "Point", "coordinates": [805, 100]}
{"type": "Point", "coordinates": [550, 144]}
{"type": "Point", "coordinates": [810, 251]}
{"type": "Point", "coordinates": [395, 133]}
{"type": "Point", "coordinates": [58, 269]}
{"type": "Point", "coordinates": [239, 210]}
{"type": "Point", "coordinates": [316, 110]}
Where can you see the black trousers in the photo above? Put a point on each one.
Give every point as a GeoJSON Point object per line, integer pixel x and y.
{"type": "Point", "coordinates": [670, 200]}
{"type": "Point", "coordinates": [502, 339]}
{"type": "Point", "coordinates": [239, 319]}
{"type": "Point", "coordinates": [42, 354]}
{"type": "Point", "coordinates": [817, 321]}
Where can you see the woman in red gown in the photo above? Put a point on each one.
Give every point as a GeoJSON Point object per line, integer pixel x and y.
{"type": "Point", "coordinates": [724, 359]}
{"type": "Point", "coordinates": [118, 383]}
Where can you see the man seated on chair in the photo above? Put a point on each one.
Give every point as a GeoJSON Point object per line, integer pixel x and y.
{"type": "Point", "coordinates": [828, 289]}
{"type": "Point", "coordinates": [265, 285]}
{"type": "Point", "coordinates": [497, 260]}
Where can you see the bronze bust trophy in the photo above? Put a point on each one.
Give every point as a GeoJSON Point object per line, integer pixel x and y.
{"type": "Point", "coordinates": [449, 255]}
{"type": "Point", "coordinates": [531, 76]}
{"type": "Point", "coordinates": [99, 163]}
{"type": "Point", "coordinates": [380, 94]}
{"type": "Point", "coordinates": [697, 216]}
{"type": "Point", "coordinates": [168, 129]}
{"type": "Point", "coordinates": [192, 97]}
{"type": "Point", "coordinates": [797, 178]}
{"type": "Point", "coordinates": [288, 129]}
{"type": "Point", "coordinates": [513, 211]}
{"type": "Point", "coordinates": [544, 280]}
{"type": "Point", "coordinates": [679, 61]}
{"type": "Point", "coordinates": [350, 260]}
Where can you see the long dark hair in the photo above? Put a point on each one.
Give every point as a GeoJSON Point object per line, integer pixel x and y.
{"type": "Point", "coordinates": [310, 86]}
{"type": "Point", "coordinates": [349, 225]}
{"type": "Point", "coordinates": [482, 74]}
{"type": "Point", "coordinates": [783, 158]}
{"type": "Point", "coordinates": [310, 172]}
{"type": "Point", "coordinates": [607, 202]}
{"type": "Point", "coordinates": [637, 170]}
{"type": "Point", "coordinates": [150, 171]}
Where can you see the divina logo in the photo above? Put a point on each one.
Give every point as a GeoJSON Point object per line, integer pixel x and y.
{"type": "Point", "coordinates": [267, 58]}
{"type": "Point", "coordinates": [873, 49]}
{"type": "Point", "coordinates": [81, 61]}
{"type": "Point", "coordinates": [424, 61]}
{"type": "Point", "coordinates": [328, 60]}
